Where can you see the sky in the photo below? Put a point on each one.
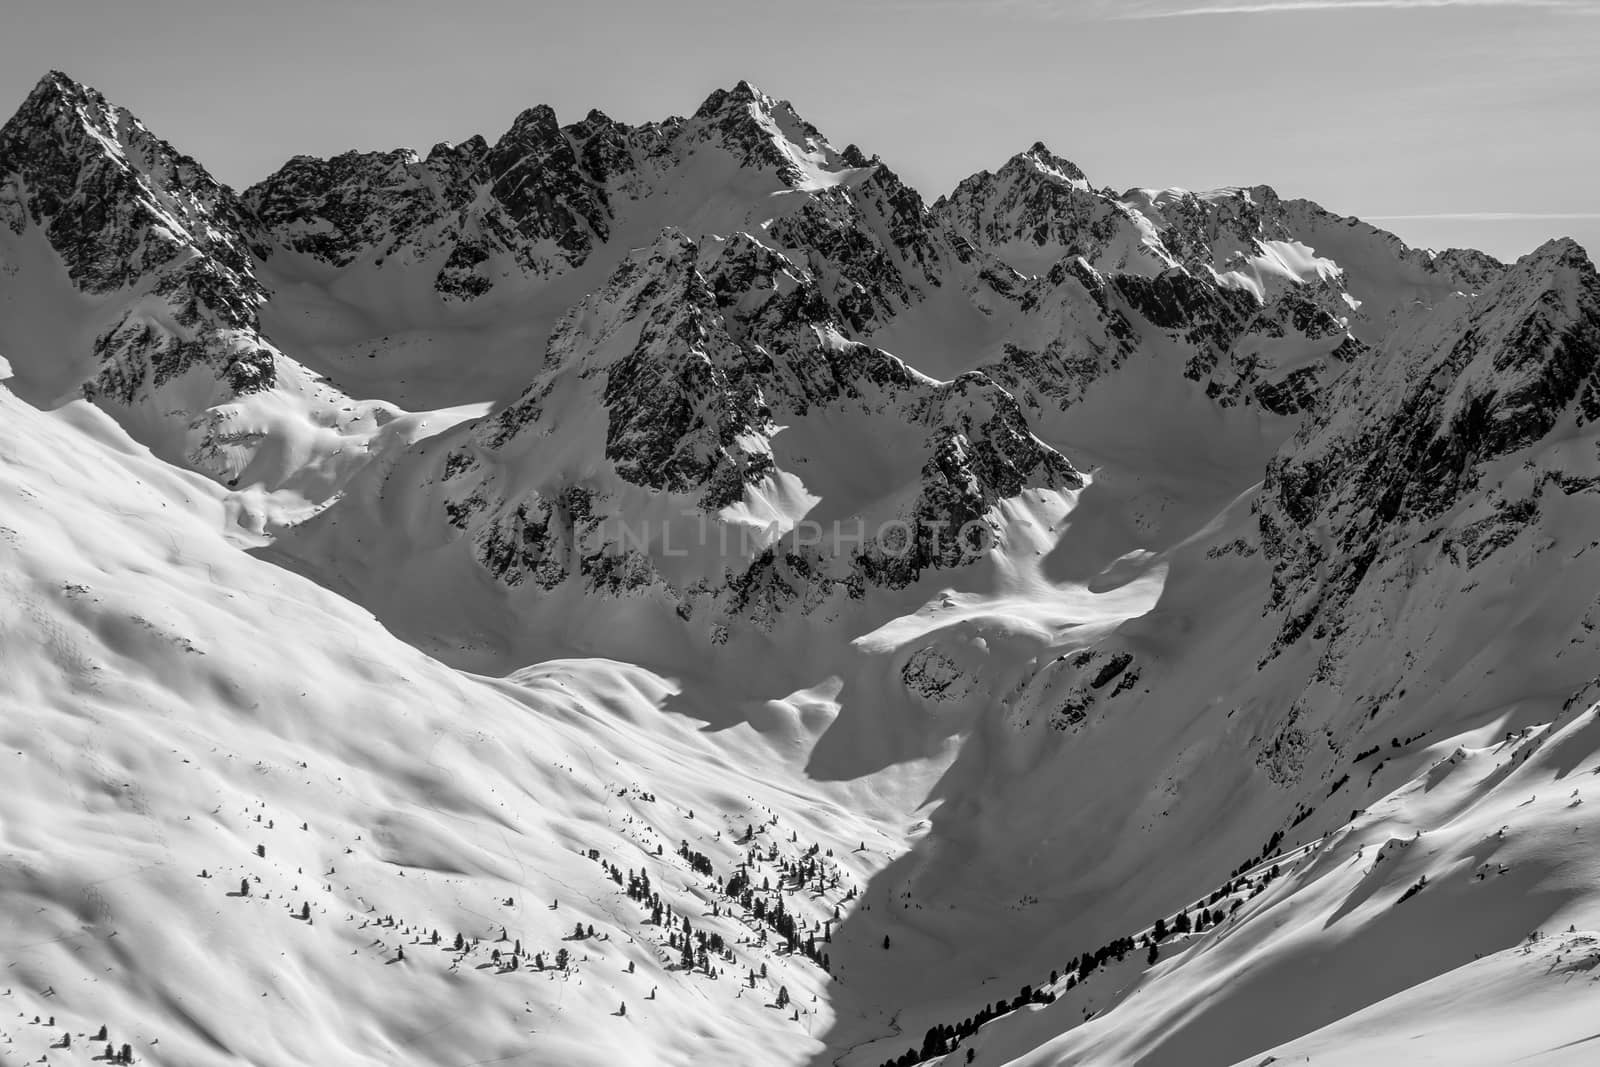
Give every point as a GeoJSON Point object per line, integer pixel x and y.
{"type": "Point", "coordinates": [1450, 122]}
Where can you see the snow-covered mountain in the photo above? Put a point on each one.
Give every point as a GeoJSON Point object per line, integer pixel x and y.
{"type": "Point", "coordinates": [850, 609]}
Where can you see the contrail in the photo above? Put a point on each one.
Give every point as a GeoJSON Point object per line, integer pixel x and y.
{"type": "Point", "coordinates": [1282, 7]}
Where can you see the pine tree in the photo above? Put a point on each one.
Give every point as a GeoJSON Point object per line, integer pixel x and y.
{"type": "Point", "coordinates": [244, 887]}
{"type": "Point", "coordinates": [783, 996]}
{"type": "Point", "coordinates": [1155, 953]}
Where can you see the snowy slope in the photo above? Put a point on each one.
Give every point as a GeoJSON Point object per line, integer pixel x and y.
{"type": "Point", "coordinates": [172, 704]}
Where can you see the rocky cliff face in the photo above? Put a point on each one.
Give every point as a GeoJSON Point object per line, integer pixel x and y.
{"type": "Point", "coordinates": [1403, 447]}
{"type": "Point", "coordinates": [1268, 298]}
{"type": "Point", "coordinates": [545, 199]}
{"type": "Point", "coordinates": [534, 204]}
{"type": "Point", "coordinates": [676, 378]}
{"type": "Point", "coordinates": [1424, 525]}
{"type": "Point", "coordinates": [1038, 209]}
{"type": "Point", "coordinates": [129, 215]}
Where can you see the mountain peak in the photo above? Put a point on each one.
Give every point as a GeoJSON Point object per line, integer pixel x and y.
{"type": "Point", "coordinates": [720, 99]}
{"type": "Point", "coordinates": [62, 89]}
{"type": "Point", "coordinates": [538, 122]}
{"type": "Point", "coordinates": [1039, 158]}
{"type": "Point", "coordinates": [58, 94]}
{"type": "Point", "coordinates": [1558, 252]}
{"type": "Point", "coordinates": [59, 84]}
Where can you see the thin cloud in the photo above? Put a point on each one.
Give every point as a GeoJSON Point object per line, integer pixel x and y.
{"type": "Point", "coordinates": [1289, 7]}
{"type": "Point", "coordinates": [1491, 216]}
{"type": "Point", "coordinates": [1147, 10]}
